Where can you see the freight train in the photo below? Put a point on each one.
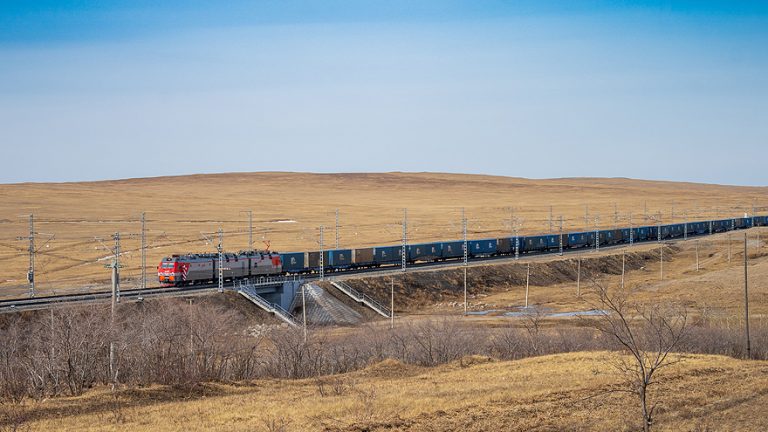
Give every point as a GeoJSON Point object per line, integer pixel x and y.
{"type": "Point", "coordinates": [191, 269]}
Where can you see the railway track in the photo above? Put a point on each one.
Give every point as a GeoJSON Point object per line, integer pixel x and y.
{"type": "Point", "coordinates": [12, 305]}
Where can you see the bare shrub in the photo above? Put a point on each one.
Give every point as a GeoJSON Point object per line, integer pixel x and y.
{"type": "Point", "coordinates": [647, 334]}
{"type": "Point", "coordinates": [290, 356]}
{"type": "Point", "coordinates": [507, 343]}
{"type": "Point", "coordinates": [333, 386]}
{"type": "Point", "coordinates": [13, 418]}
{"type": "Point", "coordinates": [366, 407]}
{"type": "Point", "coordinates": [14, 381]}
{"type": "Point", "coordinates": [274, 423]}
{"type": "Point", "coordinates": [440, 341]}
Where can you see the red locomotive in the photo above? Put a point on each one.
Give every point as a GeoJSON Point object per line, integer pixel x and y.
{"type": "Point", "coordinates": [179, 270]}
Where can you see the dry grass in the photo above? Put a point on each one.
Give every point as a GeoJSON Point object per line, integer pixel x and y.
{"type": "Point", "coordinates": [179, 208]}
{"type": "Point", "coordinates": [559, 392]}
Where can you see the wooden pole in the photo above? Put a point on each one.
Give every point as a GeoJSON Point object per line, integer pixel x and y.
{"type": "Point", "coordinates": [623, 252]}
{"type": "Point", "coordinates": [392, 304]}
{"type": "Point", "coordinates": [527, 280]}
{"type": "Point", "coordinates": [661, 262]}
{"type": "Point", "coordinates": [697, 255]}
{"type": "Point", "coordinates": [304, 310]}
{"type": "Point", "coordinates": [746, 299]}
{"type": "Point", "coordinates": [578, 280]}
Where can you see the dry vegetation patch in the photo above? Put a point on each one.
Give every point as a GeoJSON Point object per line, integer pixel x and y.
{"type": "Point", "coordinates": [555, 392]}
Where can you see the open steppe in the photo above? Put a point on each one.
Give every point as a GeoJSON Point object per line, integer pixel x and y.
{"type": "Point", "coordinates": [288, 209]}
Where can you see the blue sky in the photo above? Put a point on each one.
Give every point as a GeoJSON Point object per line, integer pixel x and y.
{"type": "Point", "coordinates": [116, 89]}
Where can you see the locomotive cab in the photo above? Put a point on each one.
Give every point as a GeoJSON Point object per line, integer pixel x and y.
{"type": "Point", "coordinates": [168, 272]}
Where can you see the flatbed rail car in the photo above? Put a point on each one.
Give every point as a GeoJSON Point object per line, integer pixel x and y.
{"type": "Point", "coordinates": [190, 269]}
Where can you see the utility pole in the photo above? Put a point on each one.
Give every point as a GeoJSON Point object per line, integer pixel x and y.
{"type": "Point", "coordinates": [115, 299]}
{"type": "Point", "coordinates": [623, 254]}
{"type": "Point", "coordinates": [615, 216]}
{"type": "Point", "coordinates": [746, 299]}
{"type": "Point", "coordinates": [143, 251]}
{"type": "Point", "coordinates": [658, 230]}
{"type": "Point", "coordinates": [578, 279]}
{"type": "Point", "coordinates": [550, 219]}
{"type": "Point", "coordinates": [728, 237]}
{"type": "Point", "coordinates": [631, 231]}
{"type": "Point", "coordinates": [116, 273]}
{"type": "Point", "coordinates": [586, 217]}
{"type": "Point", "coordinates": [645, 210]}
{"type": "Point", "coordinates": [753, 221]}
{"type": "Point", "coordinates": [561, 236]}
{"type": "Point", "coordinates": [661, 262]}
{"type": "Point", "coordinates": [697, 255]}
{"type": "Point", "coordinates": [32, 250]}
{"type": "Point", "coordinates": [250, 230]}
{"type": "Point", "coordinates": [673, 212]}
{"type": "Point", "coordinates": [337, 229]}
{"type": "Point", "coordinates": [513, 227]}
{"type": "Point", "coordinates": [405, 238]}
{"type": "Point", "coordinates": [117, 265]}
{"type": "Point", "coordinates": [31, 271]}
{"type": "Point", "coordinates": [685, 225]}
{"type": "Point", "coordinates": [322, 253]}
{"type": "Point", "coordinates": [517, 241]}
{"type": "Point", "coordinates": [464, 228]}
{"type": "Point", "coordinates": [304, 309]}
{"type": "Point", "coordinates": [527, 281]}
{"type": "Point", "coordinates": [392, 303]}
{"type": "Point", "coordinates": [597, 233]}
{"type": "Point", "coordinates": [220, 249]}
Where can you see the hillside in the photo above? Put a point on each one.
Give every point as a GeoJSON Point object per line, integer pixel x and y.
{"type": "Point", "coordinates": [288, 209]}
{"type": "Point", "coordinates": [557, 392]}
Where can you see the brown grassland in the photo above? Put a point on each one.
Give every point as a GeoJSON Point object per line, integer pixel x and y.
{"type": "Point", "coordinates": [288, 208]}
{"type": "Point", "coordinates": [556, 392]}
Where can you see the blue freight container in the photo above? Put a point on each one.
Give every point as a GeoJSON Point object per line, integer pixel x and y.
{"type": "Point", "coordinates": [483, 247]}
{"type": "Point", "coordinates": [535, 243]}
{"type": "Point", "coordinates": [625, 235]}
{"type": "Point", "coordinates": [553, 241]}
{"type": "Point", "coordinates": [641, 233]}
{"type": "Point", "coordinates": [653, 232]}
{"type": "Point", "coordinates": [293, 262]}
{"type": "Point", "coordinates": [577, 240]}
{"type": "Point", "coordinates": [702, 227]}
{"type": "Point", "coordinates": [605, 237]}
{"type": "Point", "coordinates": [424, 252]}
{"type": "Point", "coordinates": [340, 258]}
{"type": "Point", "coordinates": [387, 254]}
{"type": "Point", "coordinates": [452, 249]}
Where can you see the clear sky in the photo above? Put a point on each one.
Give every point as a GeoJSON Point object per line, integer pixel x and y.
{"type": "Point", "coordinates": [672, 90]}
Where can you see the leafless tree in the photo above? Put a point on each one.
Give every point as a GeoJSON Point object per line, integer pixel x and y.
{"type": "Point", "coordinates": [440, 341]}
{"type": "Point", "coordinates": [648, 334]}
